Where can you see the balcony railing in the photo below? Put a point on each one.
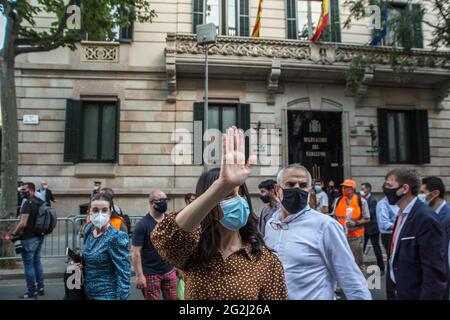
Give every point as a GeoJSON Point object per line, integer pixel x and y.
{"type": "Point", "coordinates": [321, 52]}
{"type": "Point", "coordinates": [100, 51]}
{"type": "Point", "coordinates": [324, 58]}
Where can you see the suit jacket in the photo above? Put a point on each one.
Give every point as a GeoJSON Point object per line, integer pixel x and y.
{"type": "Point", "coordinates": [372, 226]}
{"type": "Point", "coordinates": [48, 196]}
{"type": "Point", "coordinates": [444, 216]}
{"type": "Point", "coordinates": [420, 261]}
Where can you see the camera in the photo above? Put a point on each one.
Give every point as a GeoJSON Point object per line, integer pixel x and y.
{"type": "Point", "coordinates": [17, 244]}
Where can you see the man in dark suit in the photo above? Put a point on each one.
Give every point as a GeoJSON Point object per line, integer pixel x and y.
{"type": "Point", "coordinates": [432, 192]}
{"type": "Point", "coordinates": [419, 266]}
{"type": "Point", "coordinates": [372, 232]}
{"type": "Point", "coordinates": [45, 193]}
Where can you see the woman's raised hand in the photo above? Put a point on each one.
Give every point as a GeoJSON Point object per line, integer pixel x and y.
{"type": "Point", "coordinates": [234, 170]}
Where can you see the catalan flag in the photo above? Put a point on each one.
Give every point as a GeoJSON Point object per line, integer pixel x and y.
{"type": "Point", "coordinates": [323, 21]}
{"type": "Point", "coordinates": [257, 27]}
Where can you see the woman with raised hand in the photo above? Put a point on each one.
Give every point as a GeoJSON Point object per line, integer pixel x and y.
{"type": "Point", "coordinates": [215, 240]}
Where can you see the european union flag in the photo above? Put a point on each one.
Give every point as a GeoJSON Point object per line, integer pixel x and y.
{"type": "Point", "coordinates": [377, 37]}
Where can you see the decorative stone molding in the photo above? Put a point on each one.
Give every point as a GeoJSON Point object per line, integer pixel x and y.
{"type": "Point", "coordinates": [442, 91]}
{"type": "Point", "coordinates": [301, 54]}
{"type": "Point", "coordinates": [272, 81]}
{"type": "Point", "coordinates": [171, 66]}
{"type": "Point", "coordinates": [99, 51]}
{"type": "Point", "coordinates": [366, 79]}
{"type": "Point", "coordinates": [320, 53]}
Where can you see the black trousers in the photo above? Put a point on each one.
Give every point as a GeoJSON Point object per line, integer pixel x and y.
{"type": "Point", "coordinates": [375, 240]}
{"type": "Point", "coordinates": [386, 239]}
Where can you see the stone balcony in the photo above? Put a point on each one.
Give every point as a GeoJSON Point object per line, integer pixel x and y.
{"type": "Point", "coordinates": [277, 60]}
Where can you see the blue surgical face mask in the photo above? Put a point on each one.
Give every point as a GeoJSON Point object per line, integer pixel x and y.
{"type": "Point", "coordinates": [318, 188]}
{"type": "Point", "coordinates": [235, 213]}
{"type": "Point", "coordinates": [423, 197]}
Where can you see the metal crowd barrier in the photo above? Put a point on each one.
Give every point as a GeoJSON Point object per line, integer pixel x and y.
{"type": "Point", "coordinates": [67, 233]}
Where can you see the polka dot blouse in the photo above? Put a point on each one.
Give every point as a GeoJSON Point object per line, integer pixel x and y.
{"type": "Point", "coordinates": [241, 276]}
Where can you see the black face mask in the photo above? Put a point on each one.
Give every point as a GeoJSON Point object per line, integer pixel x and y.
{"type": "Point", "coordinates": [265, 199]}
{"type": "Point", "coordinates": [161, 206]}
{"type": "Point", "coordinates": [294, 199]}
{"type": "Point", "coordinates": [391, 195]}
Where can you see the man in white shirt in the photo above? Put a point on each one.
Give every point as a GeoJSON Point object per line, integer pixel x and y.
{"type": "Point", "coordinates": [321, 197]}
{"type": "Point", "coordinates": [311, 246]}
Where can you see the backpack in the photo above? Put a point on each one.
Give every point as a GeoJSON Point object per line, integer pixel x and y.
{"type": "Point", "coordinates": [127, 222]}
{"type": "Point", "coordinates": [126, 219]}
{"type": "Point", "coordinates": [45, 221]}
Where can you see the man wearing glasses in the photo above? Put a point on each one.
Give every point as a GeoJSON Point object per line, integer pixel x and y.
{"type": "Point", "coordinates": [153, 275]}
{"type": "Point", "coordinates": [312, 246]}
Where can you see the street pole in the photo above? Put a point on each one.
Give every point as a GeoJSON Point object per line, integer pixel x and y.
{"type": "Point", "coordinates": [206, 34]}
{"type": "Point", "coordinates": [205, 116]}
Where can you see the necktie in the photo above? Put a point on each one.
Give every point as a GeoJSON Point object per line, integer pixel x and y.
{"type": "Point", "coordinates": [397, 228]}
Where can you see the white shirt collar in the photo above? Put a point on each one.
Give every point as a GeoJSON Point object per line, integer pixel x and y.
{"type": "Point", "coordinates": [443, 204]}
{"type": "Point", "coordinates": [410, 205]}
{"type": "Point", "coordinates": [277, 215]}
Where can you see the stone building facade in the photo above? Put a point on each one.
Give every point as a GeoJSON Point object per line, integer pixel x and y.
{"type": "Point", "coordinates": [108, 111]}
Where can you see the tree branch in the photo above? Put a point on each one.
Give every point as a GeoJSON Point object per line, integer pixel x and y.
{"type": "Point", "coordinates": [47, 41]}
{"type": "Point", "coordinates": [430, 24]}
{"type": "Point", "coordinates": [41, 48]}
{"type": "Point", "coordinates": [440, 8]}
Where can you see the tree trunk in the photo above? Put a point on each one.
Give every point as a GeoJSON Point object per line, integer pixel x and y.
{"type": "Point", "coordinates": [8, 198]}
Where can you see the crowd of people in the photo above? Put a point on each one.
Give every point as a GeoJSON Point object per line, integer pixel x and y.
{"type": "Point", "coordinates": [308, 242]}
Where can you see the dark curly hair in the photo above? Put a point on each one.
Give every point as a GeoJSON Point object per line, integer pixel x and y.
{"type": "Point", "coordinates": [210, 237]}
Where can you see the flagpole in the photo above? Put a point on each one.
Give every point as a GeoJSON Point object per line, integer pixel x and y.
{"type": "Point", "coordinates": [310, 27]}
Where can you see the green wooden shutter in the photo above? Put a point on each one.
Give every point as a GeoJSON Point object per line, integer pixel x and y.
{"type": "Point", "coordinates": [382, 136]}
{"type": "Point", "coordinates": [72, 131]}
{"type": "Point", "coordinates": [335, 24]}
{"type": "Point", "coordinates": [420, 136]}
{"type": "Point", "coordinates": [417, 28]}
{"type": "Point", "coordinates": [291, 19]}
{"type": "Point", "coordinates": [117, 130]}
{"type": "Point", "coordinates": [198, 132]}
{"type": "Point", "coordinates": [243, 122]}
{"type": "Point", "coordinates": [244, 19]}
{"type": "Point", "coordinates": [197, 14]}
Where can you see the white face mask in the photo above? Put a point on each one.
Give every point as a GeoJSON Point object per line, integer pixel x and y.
{"type": "Point", "coordinates": [100, 219]}
{"type": "Point", "coordinates": [362, 193]}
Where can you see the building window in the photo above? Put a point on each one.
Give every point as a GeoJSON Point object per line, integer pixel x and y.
{"type": "Point", "coordinates": [403, 136]}
{"type": "Point", "coordinates": [231, 17]}
{"type": "Point", "coordinates": [221, 117]}
{"type": "Point", "coordinates": [303, 16]}
{"type": "Point", "coordinates": [401, 32]}
{"type": "Point", "coordinates": [91, 133]}
{"type": "Point", "coordinates": [115, 34]}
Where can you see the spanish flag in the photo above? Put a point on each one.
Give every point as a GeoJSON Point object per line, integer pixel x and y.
{"type": "Point", "coordinates": [323, 21]}
{"type": "Point", "coordinates": [257, 27]}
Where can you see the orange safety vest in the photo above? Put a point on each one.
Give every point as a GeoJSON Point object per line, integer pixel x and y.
{"type": "Point", "coordinates": [341, 215]}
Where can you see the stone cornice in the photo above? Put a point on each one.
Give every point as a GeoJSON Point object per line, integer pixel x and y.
{"type": "Point", "coordinates": [182, 49]}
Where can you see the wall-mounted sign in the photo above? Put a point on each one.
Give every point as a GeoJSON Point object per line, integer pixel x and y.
{"type": "Point", "coordinates": [30, 119]}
